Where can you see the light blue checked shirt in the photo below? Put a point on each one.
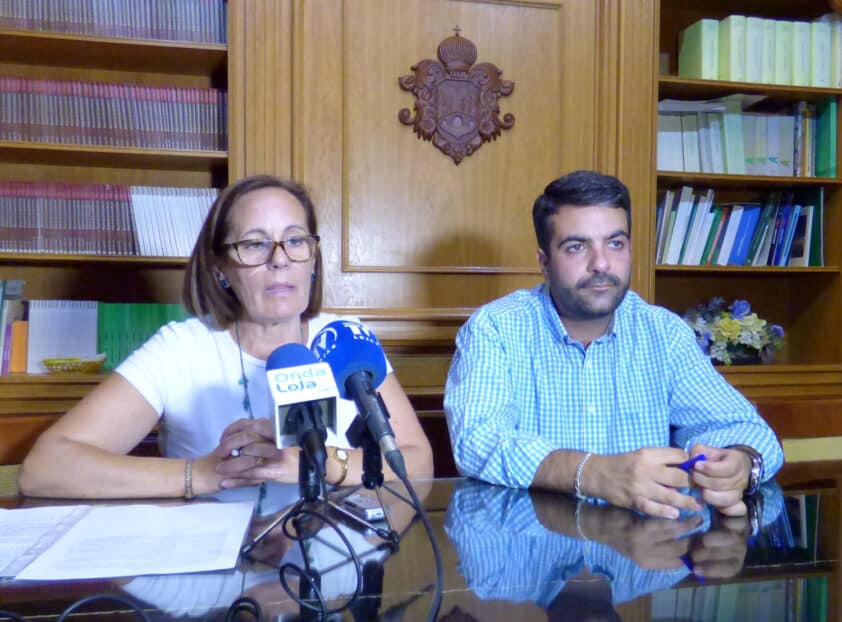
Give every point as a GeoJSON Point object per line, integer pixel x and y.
{"type": "Point", "coordinates": [519, 388]}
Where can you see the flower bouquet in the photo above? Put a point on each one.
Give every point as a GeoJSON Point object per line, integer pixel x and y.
{"type": "Point", "coordinates": [734, 334]}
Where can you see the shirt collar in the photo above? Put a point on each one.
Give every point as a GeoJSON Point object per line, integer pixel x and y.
{"type": "Point", "coordinates": [557, 326]}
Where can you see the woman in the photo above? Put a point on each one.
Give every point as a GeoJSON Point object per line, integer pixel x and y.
{"type": "Point", "coordinates": [254, 283]}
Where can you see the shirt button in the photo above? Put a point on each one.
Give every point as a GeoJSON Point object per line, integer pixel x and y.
{"type": "Point", "coordinates": [591, 410]}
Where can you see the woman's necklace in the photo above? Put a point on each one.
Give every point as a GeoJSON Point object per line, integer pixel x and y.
{"type": "Point", "coordinates": [244, 381]}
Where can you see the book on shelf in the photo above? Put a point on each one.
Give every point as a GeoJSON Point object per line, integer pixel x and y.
{"type": "Point", "coordinates": [199, 21]}
{"type": "Point", "coordinates": [785, 244]}
{"type": "Point", "coordinates": [12, 309]}
{"type": "Point", "coordinates": [826, 137]}
{"type": "Point", "coordinates": [60, 329]}
{"type": "Point", "coordinates": [670, 142]}
{"type": "Point", "coordinates": [760, 50]}
{"type": "Point", "coordinates": [768, 59]}
{"type": "Point", "coordinates": [801, 50]}
{"type": "Point", "coordinates": [19, 347]}
{"type": "Point", "coordinates": [784, 229]}
{"type": "Point", "coordinates": [112, 114]}
{"type": "Point", "coordinates": [101, 219]}
{"type": "Point", "coordinates": [783, 52]}
{"type": "Point", "coordinates": [698, 55]}
{"type": "Point", "coordinates": [690, 142]}
{"type": "Point", "coordinates": [729, 235]}
{"type": "Point", "coordinates": [732, 48]}
{"type": "Point", "coordinates": [123, 327]}
{"type": "Point", "coordinates": [799, 253]}
{"type": "Point", "coordinates": [682, 207]}
{"type": "Point", "coordinates": [754, 49]}
{"type": "Point", "coordinates": [820, 54]}
{"type": "Point", "coordinates": [745, 231]}
{"type": "Point", "coordinates": [796, 139]}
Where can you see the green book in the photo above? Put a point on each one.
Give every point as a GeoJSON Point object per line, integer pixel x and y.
{"type": "Point", "coordinates": [826, 138]}
{"type": "Point", "coordinates": [123, 327]}
{"type": "Point", "coordinates": [698, 55]}
{"type": "Point", "coordinates": [715, 227]}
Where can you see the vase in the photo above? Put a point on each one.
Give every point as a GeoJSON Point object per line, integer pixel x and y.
{"type": "Point", "coordinates": [747, 356]}
{"type": "Point", "coordinates": [742, 357]}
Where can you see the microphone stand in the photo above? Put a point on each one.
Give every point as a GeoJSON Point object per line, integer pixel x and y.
{"type": "Point", "coordinates": [309, 487]}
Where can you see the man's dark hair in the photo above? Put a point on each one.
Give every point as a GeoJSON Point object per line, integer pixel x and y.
{"type": "Point", "coordinates": [579, 189]}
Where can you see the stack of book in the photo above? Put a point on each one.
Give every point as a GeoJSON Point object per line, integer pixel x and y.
{"type": "Point", "coordinates": [718, 136]}
{"type": "Point", "coordinates": [13, 326]}
{"type": "Point", "coordinates": [124, 327]}
{"type": "Point", "coordinates": [114, 115]}
{"type": "Point", "coordinates": [101, 219]}
{"type": "Point", "coordinates": [771, 51]}
{"type": "Point", "coordinates": [55, 329]}
{"type": "Point", "coordinates": [786, 229]}
{"type": "Point", "coordinates": [183, 20]}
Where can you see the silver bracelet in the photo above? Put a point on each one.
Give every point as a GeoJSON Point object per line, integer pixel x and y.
{"type": "Point", "coordinates": [188, 479]}
{"type": "Point", "coordinates": [578, 482]}
{"type": "Point", "coordinates": [578, 523]}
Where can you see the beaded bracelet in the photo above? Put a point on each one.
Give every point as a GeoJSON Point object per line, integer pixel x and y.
{"type": "Point", "coordinates": [188, 479]}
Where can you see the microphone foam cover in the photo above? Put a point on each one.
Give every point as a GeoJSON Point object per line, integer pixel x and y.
{"type": "Point", "coordinates": [290, 355]}
{"type": "Point", "coordinates": [349, 347]}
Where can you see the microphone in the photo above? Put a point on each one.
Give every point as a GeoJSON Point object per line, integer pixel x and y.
{"type": "Point", "coordinates": [359, 365]}
{"type": "Point", "coordinates": [304, 396]}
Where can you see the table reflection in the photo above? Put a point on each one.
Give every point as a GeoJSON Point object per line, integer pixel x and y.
{"type": "Point", "coordinates": [577, 561]}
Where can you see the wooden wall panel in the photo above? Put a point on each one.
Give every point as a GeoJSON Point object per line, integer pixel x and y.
{"type": "Point", "coordinates": [411, 241]}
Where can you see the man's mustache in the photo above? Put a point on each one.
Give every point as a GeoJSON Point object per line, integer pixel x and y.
{"type": "Point", "coordinates": [599, 279]}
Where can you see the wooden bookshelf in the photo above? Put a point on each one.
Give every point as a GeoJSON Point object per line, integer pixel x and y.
{"type": "Point", "coordinates": [807, 302]}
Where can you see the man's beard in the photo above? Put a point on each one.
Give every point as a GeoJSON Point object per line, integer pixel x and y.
{"type": "Point", "coordinates": [571, 304]}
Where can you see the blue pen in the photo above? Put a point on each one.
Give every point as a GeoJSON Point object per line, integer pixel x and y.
{"type": "Point", "coordinates": [688, 464]}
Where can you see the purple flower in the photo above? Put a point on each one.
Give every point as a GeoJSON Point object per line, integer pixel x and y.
{"type": "Point", "coordinates": [776, 331]}
{"type": "Point", "coordinates": [739, 309]}
{"type": "Point", "coordinates": [703, 340]}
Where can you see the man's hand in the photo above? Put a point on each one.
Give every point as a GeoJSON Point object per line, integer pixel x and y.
{"type": "Point", "coordinates": [650, 543]}
{"type": "Point", "coordinates": [720, 553]}
{"type": "Point", "coordinates": [722, 478]}
{"type": "Point", "coordinates": [645, 480]}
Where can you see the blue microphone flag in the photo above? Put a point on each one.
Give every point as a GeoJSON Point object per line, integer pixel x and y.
{"type": "Point", "coordinates": [349, 347]}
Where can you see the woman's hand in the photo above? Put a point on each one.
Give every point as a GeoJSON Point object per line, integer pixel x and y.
{"type": "Point", "coordinates": [247, 455]}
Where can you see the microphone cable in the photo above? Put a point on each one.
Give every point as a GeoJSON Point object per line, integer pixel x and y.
{"type": "Point", "coordinates": [433, 612]}
{"type": "Point", "coordinates": [310, 576]}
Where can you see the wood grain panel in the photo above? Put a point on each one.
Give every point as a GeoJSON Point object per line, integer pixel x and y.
{"type": "Point", "coordinates": [391, 203]}
{"type": "Point", "coordinates": [18, 433]}
{"type": "Point", "coordinates": [426, 213]}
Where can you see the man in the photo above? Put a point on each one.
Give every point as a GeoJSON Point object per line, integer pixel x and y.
{"type": "Point", "coordinates": [578, 385]}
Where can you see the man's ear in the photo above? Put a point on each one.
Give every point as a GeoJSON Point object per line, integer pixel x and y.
{"type": "Point", "coordinates": [543, 260]}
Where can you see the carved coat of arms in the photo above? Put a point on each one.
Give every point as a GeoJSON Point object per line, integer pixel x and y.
{"type": "Point", "coordinates": [456, 101]}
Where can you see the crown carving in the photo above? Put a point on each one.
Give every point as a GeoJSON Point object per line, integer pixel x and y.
{"type": "Point", "coordinates": [457, 53]}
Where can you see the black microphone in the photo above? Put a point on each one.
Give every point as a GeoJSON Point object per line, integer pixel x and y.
{"type": "Point", "coordinates": [359, 365]}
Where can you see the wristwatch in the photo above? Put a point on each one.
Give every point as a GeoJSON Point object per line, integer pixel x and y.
{"type": "Point", "coordinates": [755, 476]}
{"type": "Point", "coordinates": [342, 458]}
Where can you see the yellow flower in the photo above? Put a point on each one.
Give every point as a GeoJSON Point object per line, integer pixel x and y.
{"type": "Point", "coordinates": [729, 328]}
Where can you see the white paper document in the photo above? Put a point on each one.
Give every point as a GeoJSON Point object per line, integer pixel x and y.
{"type": "Point", "coordinates": [125, 540]}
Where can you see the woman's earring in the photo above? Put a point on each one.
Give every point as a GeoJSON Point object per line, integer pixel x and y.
{"type": "Point", "coordinates": [313, 276]}
{"type": "Point", "coordinates": [223, 283]}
